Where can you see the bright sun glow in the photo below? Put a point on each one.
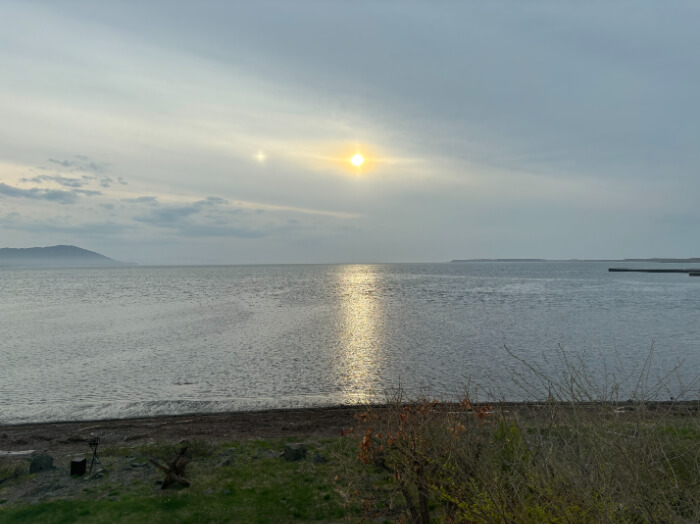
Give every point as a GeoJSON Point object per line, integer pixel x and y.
{"type": "Point", "coordinates": [357, 160]}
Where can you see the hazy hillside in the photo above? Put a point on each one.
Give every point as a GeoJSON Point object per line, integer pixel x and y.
{"type": "Point", "coordinates": [54, 256]}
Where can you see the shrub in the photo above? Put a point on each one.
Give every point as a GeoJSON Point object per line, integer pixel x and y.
{"type": "Point", "coordinates": [569, 457]}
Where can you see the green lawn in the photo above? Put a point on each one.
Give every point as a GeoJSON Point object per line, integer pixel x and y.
{"type": "Point", "coordinates": [257, 486]}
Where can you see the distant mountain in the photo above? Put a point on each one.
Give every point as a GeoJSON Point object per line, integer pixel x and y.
{"type": "Point", "coordinates": [54, 256]}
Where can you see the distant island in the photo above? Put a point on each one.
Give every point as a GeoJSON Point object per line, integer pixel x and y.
{"type": "Point", "coordinates": [54, 256]}
{"type": "Point", "coordinates": [653, 260]}
{"type": "Point", "coordinates": [499, 260]}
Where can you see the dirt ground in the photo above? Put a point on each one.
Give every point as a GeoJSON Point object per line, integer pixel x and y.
{"type": "Point", "coordinates": [65, 438]}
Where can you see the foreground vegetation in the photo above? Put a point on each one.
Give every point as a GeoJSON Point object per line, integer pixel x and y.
{"type": "Point", "coordinates": [575, 457]}
{"type": "Point", "coordinates": [416, 462]}
{"type": "Point", "coordinates": [582, 455]}
{"type": "Point", "coordinates": [550, 463]}
{"type": "Point", "coordinates": [230, 482]}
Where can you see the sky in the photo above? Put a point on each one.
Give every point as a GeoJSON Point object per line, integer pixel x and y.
{"type": "Point", "coordinates": [214, 132]}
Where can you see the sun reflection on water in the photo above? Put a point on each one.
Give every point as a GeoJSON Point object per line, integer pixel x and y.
{"type": "Point", "coordinates": [360, 332]}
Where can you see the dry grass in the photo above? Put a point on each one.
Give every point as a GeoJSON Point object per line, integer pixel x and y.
{"type": "Point", "coordinates": [11, 468]}
{"type": "Point", "coordinates": [572, 457]}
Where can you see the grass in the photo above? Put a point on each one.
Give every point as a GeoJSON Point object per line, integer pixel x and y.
{"type": "Point", "coordinates": [248, 490]}
{"type": "Point", "coordinates": [11, 468]}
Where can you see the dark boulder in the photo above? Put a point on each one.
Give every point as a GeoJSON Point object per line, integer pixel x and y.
{"type": "Point", "coordinates": [294, 452]}
{"type": "Point", "coordinates": [319, 459]}
{"type": "Point", "coordinates": [41, 463]}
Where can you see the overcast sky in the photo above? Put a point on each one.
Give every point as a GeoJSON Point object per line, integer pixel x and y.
{"type": "Point", "coordinates": [221, 132]}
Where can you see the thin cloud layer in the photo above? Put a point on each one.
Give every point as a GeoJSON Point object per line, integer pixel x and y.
{"type": "Point", "coordinates": [211, 217]}
{"type": "Point", "coordinates": [35, 193]}
{"type": "Point", "coordinates": [58, 179]}
{"type": "Point", "coordinates": [512, 129]}
{"type": "Point", "coordinates": [63, 225]}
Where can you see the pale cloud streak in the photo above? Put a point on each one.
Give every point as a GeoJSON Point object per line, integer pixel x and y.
{"type": "Point", "coordinates": [35, 193]}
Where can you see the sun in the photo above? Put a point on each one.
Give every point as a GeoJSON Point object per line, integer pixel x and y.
{"type": "Point", "coordinates": [357, 160]}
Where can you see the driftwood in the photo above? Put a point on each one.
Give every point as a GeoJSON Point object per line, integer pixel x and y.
{"type": "Point", "coordinates": [176, 471]}
{"type": "Point", "coordinates": [17, 454]}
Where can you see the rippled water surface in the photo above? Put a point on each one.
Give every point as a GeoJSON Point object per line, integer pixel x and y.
{"type": "Point", "coordinates": [94, 343]}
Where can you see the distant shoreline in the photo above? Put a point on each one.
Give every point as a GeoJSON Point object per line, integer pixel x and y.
{"type": "Point", "coordinates": [647, 260]}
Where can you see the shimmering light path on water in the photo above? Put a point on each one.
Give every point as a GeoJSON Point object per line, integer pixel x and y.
{"type": "Point", "coordinates": [78, 343]}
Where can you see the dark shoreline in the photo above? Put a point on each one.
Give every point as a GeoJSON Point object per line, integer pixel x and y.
{"type": "Point", "coordinates": [69, 437]}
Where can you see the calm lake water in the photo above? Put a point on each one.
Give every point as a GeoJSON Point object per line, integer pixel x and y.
{"type": "Point", "coordinates": [104, 343]}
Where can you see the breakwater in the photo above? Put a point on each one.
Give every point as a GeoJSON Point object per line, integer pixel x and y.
{"type": "Point", "coordinates": [693, 272]}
